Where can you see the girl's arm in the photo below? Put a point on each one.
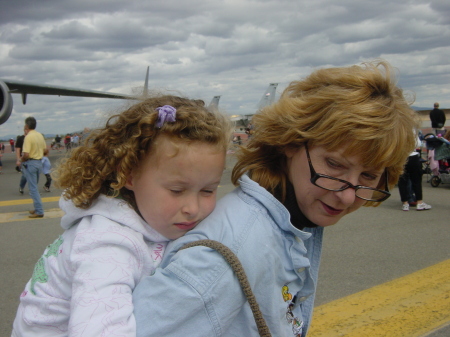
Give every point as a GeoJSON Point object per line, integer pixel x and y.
{"type": "Point", "coordinates": [107, 267]}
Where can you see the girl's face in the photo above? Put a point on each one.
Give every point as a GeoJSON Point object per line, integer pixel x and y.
{"type": "Point", "coordinates": [174, 191]}
{"type": "Point", "coordinates": [323, 207]}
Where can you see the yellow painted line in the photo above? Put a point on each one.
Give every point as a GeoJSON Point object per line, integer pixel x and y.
{"type": "Point", "coordinates": [23, 216]}
{"type": "Point", "coordinates": [26, 201]}
{"type": "Point", "coordinates": [409, 306]}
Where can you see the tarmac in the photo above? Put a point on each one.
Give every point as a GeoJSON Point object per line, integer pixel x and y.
{"type": "Point", "coordinates": [384, 272]}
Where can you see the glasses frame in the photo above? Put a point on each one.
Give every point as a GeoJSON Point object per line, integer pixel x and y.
{"type": "Point", "coordinates": [315, 176]}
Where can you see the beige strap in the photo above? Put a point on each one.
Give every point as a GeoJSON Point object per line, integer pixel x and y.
{"type": "Point", "coordinates": [236, 265]}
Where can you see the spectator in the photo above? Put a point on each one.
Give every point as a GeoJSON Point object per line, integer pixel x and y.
{"type": "Point", "coordinates": [46, 167]}
{"type": "Point", "coordinates": [32, 153]}
{"type": "Point", "coordinates": [437, 117]}
{"type": "Point", "coordinates": [11, 142]}
{"type": "Point", "coordinates": [19, 146]}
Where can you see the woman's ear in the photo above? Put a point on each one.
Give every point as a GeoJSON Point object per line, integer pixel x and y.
{"type": "Point", "coordinates": [290, 151]}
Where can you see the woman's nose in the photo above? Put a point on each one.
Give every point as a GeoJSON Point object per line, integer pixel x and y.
{"type": "Point", "coordinates": [347, 196]}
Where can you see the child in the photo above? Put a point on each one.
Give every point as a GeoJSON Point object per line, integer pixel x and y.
{"type": "Point", "coordinates": [46, 167]}
{"type": "Point", "coordinates": [149, 176]}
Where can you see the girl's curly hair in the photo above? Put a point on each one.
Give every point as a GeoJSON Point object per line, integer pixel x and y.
{"type": "Point", "coordinates": [102, 164]}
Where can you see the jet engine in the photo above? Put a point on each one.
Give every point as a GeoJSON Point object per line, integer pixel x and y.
{"type": "Point", "coordinates": [6, 103]}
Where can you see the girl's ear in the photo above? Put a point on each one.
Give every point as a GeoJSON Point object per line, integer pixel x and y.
{"type": "Point", "coordinates": [130, 181]}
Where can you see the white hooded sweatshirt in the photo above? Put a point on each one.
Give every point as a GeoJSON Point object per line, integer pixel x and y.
{"type": "Point", "coordinates": [83, 283]}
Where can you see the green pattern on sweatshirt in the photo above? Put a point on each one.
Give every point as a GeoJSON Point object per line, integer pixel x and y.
{"type": "Point", "coordinates": [39, 273]}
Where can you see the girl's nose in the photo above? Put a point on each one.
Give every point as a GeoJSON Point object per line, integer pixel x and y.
{"type": "Point", "coordinates": [191, 207]}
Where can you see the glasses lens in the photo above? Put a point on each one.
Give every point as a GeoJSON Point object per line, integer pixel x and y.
{"type": "Point", "coordinates": [364, 193]}
{"type": "Point", "coordinates": [371, 195]}
{"type": "Point", "coordinates": [331, 184]}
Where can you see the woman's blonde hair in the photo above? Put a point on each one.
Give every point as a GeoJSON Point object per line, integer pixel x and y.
{"type": "Point", "coordinates": [358, 107]}
{"type": "Point", "coordinates": [102, 164]}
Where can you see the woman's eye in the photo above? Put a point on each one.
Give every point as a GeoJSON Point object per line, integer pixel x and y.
{"type": "Point", "coordinates": [333, 164]}
{"type": "Point", "coordinates": [208, 191]}
{"type": "Point", "coordinates": [369, 176]}
{"type": "Point", "coordinates": [176, 191]}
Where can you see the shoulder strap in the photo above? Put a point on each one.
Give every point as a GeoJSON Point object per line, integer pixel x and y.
{"type": "Point", "coordinates": [236, 265]}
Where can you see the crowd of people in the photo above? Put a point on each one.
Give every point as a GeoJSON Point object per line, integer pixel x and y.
{"type": "Point", "coordinates": [70, 140]}
{"type": "Point", "coordinates": [141, 217]}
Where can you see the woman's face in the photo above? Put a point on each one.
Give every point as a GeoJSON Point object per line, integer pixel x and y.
{"type": "Point", "coordinates": [323, 207]}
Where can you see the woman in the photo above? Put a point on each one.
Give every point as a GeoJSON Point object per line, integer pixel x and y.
{"type": "Point", "coordinates": [333, 142]}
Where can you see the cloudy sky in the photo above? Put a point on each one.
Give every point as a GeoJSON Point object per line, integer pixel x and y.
{"type": "Point", "coordinates": [203, 48]}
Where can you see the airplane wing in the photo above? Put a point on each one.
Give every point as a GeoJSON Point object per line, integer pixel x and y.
{"type": "Point", "coordinates": [24, 88]}
{"type": "Point", "coordinates": [8, 87]}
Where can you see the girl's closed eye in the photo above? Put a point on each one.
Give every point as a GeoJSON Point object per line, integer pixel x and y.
{"type": "Point", "coordinates": [208, 191]}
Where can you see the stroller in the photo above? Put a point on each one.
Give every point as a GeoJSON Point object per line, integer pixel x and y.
{"type": "Point", "coordinates": [439, 159]}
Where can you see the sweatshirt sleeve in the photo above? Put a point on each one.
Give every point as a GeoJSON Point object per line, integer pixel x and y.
{"type": "Point", "coordinates": [107, 266]}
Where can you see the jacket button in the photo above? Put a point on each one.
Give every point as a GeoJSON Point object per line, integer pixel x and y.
{"type": "Point", "coordinates": [301, 270]}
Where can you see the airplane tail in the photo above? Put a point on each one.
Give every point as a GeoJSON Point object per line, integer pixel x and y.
{"type": "Point", "coordinates": [268, 97]}
{"type": "Point", "coordinates": [214, 105]}
{"type": "Point", "coordinates": [145, 91]}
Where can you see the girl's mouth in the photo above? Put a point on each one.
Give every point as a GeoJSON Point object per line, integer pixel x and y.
{"type": "Point", "coordinates": [186, 226]}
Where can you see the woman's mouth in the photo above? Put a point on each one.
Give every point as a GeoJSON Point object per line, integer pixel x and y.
{"type": "Point", "coordinates": [330, 210]}
{"type": "Point", "coordinates": [186, 226]}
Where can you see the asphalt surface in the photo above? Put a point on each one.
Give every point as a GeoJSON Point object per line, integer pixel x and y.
{"type": "Point", "coordinates": [367, 248]}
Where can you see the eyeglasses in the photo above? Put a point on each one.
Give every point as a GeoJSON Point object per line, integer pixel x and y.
{"type": "Point", "coordinates": [337, 185]}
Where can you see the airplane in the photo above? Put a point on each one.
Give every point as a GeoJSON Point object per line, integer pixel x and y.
{"type": "Point", "coordinates": [214, 105]}
{"type": "Point", "coordinates": [8, 87]}
{"type": "Point", "coordinates": [267, 98]}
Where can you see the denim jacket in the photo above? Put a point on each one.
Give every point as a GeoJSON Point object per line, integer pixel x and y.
{"type": "Point", "coordinates": [195, 292]}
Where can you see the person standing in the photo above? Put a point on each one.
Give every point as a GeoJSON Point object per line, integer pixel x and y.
{"type": "Point", "coordinates": [75, 140]}
{"type": "Point", "coordinates": [46, 167]}
{"type": "Point", "coordinates": [11, 142]}
{"type": "Point", "coordinates": [437, 117]}
{"type": "Point", "coordinates": [67, 140]}
{"type": "Point", "coordinates": [32, 153]}
{"type": "Point", "coordinates": [412, 175]}
{"type": "Point", "coordinates": [19, 146]}
{"type": "Point", "coordinates": [58, 143]}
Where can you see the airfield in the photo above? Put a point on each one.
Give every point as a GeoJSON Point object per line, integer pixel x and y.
{"type": "Point", "coordinates": [384, 272]}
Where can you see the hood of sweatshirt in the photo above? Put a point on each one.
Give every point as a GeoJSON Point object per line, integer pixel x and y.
{"type": "Point", "coordinates": [112, 208]}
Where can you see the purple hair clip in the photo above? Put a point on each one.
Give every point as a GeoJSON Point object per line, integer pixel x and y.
{"type": "Point", "coordinates": [167, 113]}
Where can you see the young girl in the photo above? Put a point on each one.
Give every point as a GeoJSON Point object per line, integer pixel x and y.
{"type": "Point", "coordinates": [149, 176]}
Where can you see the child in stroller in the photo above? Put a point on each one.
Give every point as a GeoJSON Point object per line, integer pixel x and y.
{"type": "Point", "coordinates": [439, 156]}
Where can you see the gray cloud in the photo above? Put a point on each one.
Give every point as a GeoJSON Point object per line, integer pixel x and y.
{"type": "Point", "coordinates": [204, 48]}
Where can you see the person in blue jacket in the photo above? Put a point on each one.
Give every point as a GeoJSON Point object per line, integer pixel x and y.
{"type": "Point", "coordinates": [335, 141]}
